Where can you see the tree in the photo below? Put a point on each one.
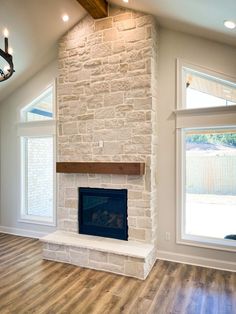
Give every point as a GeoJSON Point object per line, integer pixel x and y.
{"type": "Point", "coordinates": [220, 139]}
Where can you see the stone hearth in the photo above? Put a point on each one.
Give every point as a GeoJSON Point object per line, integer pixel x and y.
{"type": "Point", "coordinates": [126, 258]}
{"type": "Point", "coordinates": [107, 102]}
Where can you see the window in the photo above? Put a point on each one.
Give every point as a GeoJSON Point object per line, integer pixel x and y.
{"type": "Point", "coordinates": [206, 158]}
{"type": "Point", "coordinates": [37, 145]}
{"type": "Point", "coordinates": [41, 108]}
{"type": "Point", "coordinates": [204, 89]}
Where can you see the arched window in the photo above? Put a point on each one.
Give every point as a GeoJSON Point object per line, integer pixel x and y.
{"type": "Point", "coordinates": [37, 144]}
{"type": "Point", "coordinates": [41, 108]}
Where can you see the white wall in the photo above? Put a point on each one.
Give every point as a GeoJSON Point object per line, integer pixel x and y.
{"type": "Point", "coordinates": [10, 187]}
{"type": "Point", "coordinates": [212, 55]}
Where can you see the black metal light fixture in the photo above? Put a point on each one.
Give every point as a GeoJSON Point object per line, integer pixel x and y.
{"type": "Point", "coordinates": [8, 70]}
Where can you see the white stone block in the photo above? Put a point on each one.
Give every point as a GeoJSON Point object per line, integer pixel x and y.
{"type": "Point", "coordinates": [99, 257]}
{"type": "Point", "coordinates": [134, 269]}
{"type": "Point", "coordinates": [116, 259]}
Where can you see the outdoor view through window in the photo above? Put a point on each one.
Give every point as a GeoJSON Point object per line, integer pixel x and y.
{"type": "Point", "coordinates": [211, 182]}
{"type": "Point", "coordinates": [210, 162]}
{"type": "Point", "coordinates": [206, 91]}
{"type": "Point", "coordinates": [39, 174]}
{"type": "Point", "coordinates": [41, 109]}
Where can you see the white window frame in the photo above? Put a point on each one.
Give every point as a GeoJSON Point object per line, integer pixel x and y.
{"type": "Point", "coordinates": [23, 112]}
{"type": "Point", "coordinates": [37, 129]}
{"type": "Point", "coordinates": [180, 100]}
{"type": "Point", "coordinates": [198, 118]}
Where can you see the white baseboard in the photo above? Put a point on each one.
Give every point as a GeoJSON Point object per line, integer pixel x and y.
{"type": "Point", "coordinates": [197, 261]}
{"type": "Point", "coordinates": [162, 255]}
{"type": "Point", "coordinates": [23, 232]}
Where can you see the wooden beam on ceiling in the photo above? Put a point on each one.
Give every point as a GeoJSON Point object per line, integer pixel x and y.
{"type": "Point", "coordinates": [96, 8]}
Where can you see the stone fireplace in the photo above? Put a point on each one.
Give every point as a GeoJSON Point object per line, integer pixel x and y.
{"type": "Point", "coordinates": [107, 102]}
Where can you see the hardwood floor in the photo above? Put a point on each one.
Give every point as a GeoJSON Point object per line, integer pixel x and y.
{"type": "Point", "coordinates": [30, 285]}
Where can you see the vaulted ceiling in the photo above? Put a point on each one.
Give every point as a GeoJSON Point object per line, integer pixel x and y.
{"type": "Point", "coordinates": [35, 27]}
{"type": "Point", "coordinates": [199, 17]}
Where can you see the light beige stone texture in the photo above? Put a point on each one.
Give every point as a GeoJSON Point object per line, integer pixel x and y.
{"type": "Point", "coordinates": [92, 258]}
{"type": "Point", "coordinates": [99, 257]}
{"type": "Point", "coordinates": [103, 24]}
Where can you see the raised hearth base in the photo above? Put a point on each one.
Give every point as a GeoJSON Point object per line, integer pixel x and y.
{"type": "Point", "coordinates": [128, 258]}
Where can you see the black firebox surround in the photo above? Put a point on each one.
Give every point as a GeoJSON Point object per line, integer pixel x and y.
{"type": "Point", "coordinates": [117, 233]}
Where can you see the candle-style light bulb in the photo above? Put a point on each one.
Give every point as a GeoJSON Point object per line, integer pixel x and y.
{"type": "Point", "coordinates": [6, 33]}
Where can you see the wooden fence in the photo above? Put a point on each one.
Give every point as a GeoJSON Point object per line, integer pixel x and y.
{"type": "Point", "coordinates": [211, 175]}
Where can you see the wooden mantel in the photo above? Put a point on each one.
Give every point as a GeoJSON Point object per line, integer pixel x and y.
{"type": "Point", "coordinates": [128, 168]}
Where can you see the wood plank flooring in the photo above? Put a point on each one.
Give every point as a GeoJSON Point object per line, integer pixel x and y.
{"type": "Point", "coordinates": [29, 284]}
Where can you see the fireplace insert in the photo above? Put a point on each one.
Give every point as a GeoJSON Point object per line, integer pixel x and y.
{"type": "Point", "coordinates": [103, 212]}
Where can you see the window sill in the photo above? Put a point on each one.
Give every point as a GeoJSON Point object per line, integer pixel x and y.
{"type": "Point", "coordinates": [207, 242]}
{"type": "Point", "coordinates": [37, 221]}
{"type": "Point", "coordinates": [37, 123]}
{"type": "Point", "coordinates": [206, 110]}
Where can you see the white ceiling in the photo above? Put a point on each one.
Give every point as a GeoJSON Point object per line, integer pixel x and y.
{"type": "Point", "coordinates": [200, 17]}
{"type": "Point", "coordinates": [35, 27]}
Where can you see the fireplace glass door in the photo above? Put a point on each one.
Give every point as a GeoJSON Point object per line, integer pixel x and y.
{"type": "Point", "coordinates": [103, 212]}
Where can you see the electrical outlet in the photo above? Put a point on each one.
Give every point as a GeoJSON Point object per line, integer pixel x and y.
{"type": "Point", "coordinates": [167, 236]}
{"type": "Point", "coordinates": [100, 144]}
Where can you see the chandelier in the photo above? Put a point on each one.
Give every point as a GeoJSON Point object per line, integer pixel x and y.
{"type": "Point", "coordinates": [7, 69]}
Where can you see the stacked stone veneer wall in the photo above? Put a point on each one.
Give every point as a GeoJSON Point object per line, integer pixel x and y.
{"type": "Point", "coordinates": [107, 91]}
